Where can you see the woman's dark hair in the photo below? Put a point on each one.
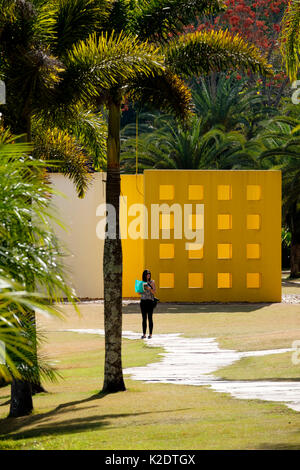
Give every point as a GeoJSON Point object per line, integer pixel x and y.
{"type": "Point", "coordinates": [145, 275]}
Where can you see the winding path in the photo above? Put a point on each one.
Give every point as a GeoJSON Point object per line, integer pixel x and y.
{"type": "Point", "coordinates": [191, 361]}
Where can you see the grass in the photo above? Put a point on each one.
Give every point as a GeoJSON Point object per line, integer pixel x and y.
{"type": "Point", "coordinates": [160, 416]}
{"type": "Point", "coordinates": [271, 367]}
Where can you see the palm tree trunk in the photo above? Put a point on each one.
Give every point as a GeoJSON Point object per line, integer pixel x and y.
{"type": "Point", "coordinates": [21, 391]}
{"type": "Point", "coordinates": [295, 260]}
{"type": "Point", "coordinates": [295, 242]}
{"type": "Point", "coordinates": [21, 399]}
{"type": "Point", "coordinates": [112, 262]}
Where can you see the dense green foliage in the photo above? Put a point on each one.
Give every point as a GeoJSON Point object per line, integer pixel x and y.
{"type": "Point", "coordinates": [30, 259]}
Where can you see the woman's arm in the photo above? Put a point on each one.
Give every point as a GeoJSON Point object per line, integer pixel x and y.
{"type": "Point", "coordinates": [153, 290]}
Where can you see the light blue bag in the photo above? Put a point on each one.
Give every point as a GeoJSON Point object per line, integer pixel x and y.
{"type": "Point", "coordinates": [139, 287]}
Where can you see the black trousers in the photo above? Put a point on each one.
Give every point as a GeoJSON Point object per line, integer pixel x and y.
{"type": "Point", "coordinates": [147, 312]}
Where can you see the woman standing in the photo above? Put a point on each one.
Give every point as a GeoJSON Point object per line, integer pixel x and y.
{"type": "Point", "coordinates": [147, 303]}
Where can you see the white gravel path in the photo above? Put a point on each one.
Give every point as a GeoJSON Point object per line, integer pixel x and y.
{"type": "Point", "coordinates": [191, 361]}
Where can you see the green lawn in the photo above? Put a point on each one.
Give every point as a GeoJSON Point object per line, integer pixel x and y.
{"type": "Point", "coordinates": [272, 367]}
{"type": "Point", "coordinates": [161, 416]}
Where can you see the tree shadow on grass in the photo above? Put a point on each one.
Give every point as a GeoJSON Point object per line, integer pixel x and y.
{"type": "Point", "coordinates": [291, 283]}
{"type": "Point", "coordinates": [280, 446]}
{"type": "Point", "coordinates": [10, 426]}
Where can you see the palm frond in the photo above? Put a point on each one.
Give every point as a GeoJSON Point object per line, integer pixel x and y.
{"type": "Point", "coordinates": [158, 20]}
{"type": "Point", "coordinates": [207, 51]}
{"type": "Point", "coordinates": [66, 155]}
{"type": "Point", "coordinates": [75, 20]}
{"type": "Point", "coordinates": [166, 92]}
{"type": "Point", "coordinates": [28, 246]}
{"type": "Point", "coordinates": [18, 335]}
{"type": "Point", "coordinates": [290, 38]}
{"type": "Point", "coordinates": [96, 65]}
{"type": "Point", "coordinates": [83, 123]}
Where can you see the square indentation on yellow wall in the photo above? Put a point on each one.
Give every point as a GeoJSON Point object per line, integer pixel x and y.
{"type": "Point", "coordinates": [224, 250]}
{"type": "Point", "coordinates": [224, 280]}
{"type": "Point", "coordinates": [166, 192]}
{"type": "Point", "coordinates": [197, 252]}
{"type": "Point", "coordinates": [253, 221]}
{"type": "Point", "coordinates": [196, 221]}
{"type": "Point", "coordinates": [166, 251]}
{"type": "Point", "coordinates": [253, 251]}
{"type": "Point", "coordinates": [224, 221]}
{"type": "Point", "coordinates": [224, 192]}
{"type": "Point", "coordinates": [196, 192]}
{"type": "Point", "coordinates": [253, 280]}
{"type": "Point", "coordinates": [253, 192]}
{"type": "Point", "coordinates": [166, 221]}
{"type": "Point", "coordinates": [195, 280]}
{"type": "Point", "coordinates": [166, 280]}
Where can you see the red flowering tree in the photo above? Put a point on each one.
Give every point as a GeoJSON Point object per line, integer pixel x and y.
{"type": "Point", "coordinates": [259, 23]}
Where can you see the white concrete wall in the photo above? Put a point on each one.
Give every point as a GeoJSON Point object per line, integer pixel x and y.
{"type": "Point", "coordinates": [79, 216]}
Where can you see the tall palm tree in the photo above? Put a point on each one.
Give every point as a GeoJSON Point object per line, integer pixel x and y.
{"type": "Point", "coordinates": [160, 22]}
{"type": "Point", "coordinates": [52, 62]}
{"type": "Point", "coordinates": [28, 250]}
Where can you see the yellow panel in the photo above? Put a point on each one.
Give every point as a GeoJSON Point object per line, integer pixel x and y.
{"type": "Point", "coordinates": [166, 221]}
{"type": "Point", "coordinates": [196, 192]}
{"type": "Point", "coordinates": [166, 192]}
{"type": "Point", "coordinates": [224, 221]}
{"type": "Point", "coordinates": [262, 235]}
{"type": "Point", "coordinates": [253, 280]}
{"type": "Point", "coordinates": [197, 253]}
{"type": "Point", "coordinates": [253, 192]}
{"type": "Point", "coordinates": [253, 221]}
{"type": "Point", "coordinates": [224, 251]}
{"type": "Point", "coordinates": [224, 192]}
{"type": "Point", "coordinates": [166, 280]}
{"type": "Point", "coordinates": [253, 250]}
{"type": "Point", "coordinates": [195, 280]}
{"type": "Point", "coordinates": [166, 250]}
{"type": "Point", "coordinates": [132, 187]}
{"type": "Point", "coordinates": [196, 221]}
{"type": "Point", "coordinates": [224, 280]}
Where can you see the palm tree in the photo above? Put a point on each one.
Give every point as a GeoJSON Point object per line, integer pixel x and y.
{"type": "Point", "coordinates": [45, 85]}
{"type": "Point", "coordinates": [28, 250]}
{"type": "Point", "coordinates": [184, 56]}
{"type": "Point", "coordinates": [53, 62]}
{"type": "Point", "coordinates": [223, 99]}
{"type": "Point", "coordinates": [192, 146]}
{"type": "Point", "coordinates": [69, 65]}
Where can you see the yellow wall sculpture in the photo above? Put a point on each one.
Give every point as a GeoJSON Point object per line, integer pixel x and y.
{"type": "Point", "coordinates": [238, 254]}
